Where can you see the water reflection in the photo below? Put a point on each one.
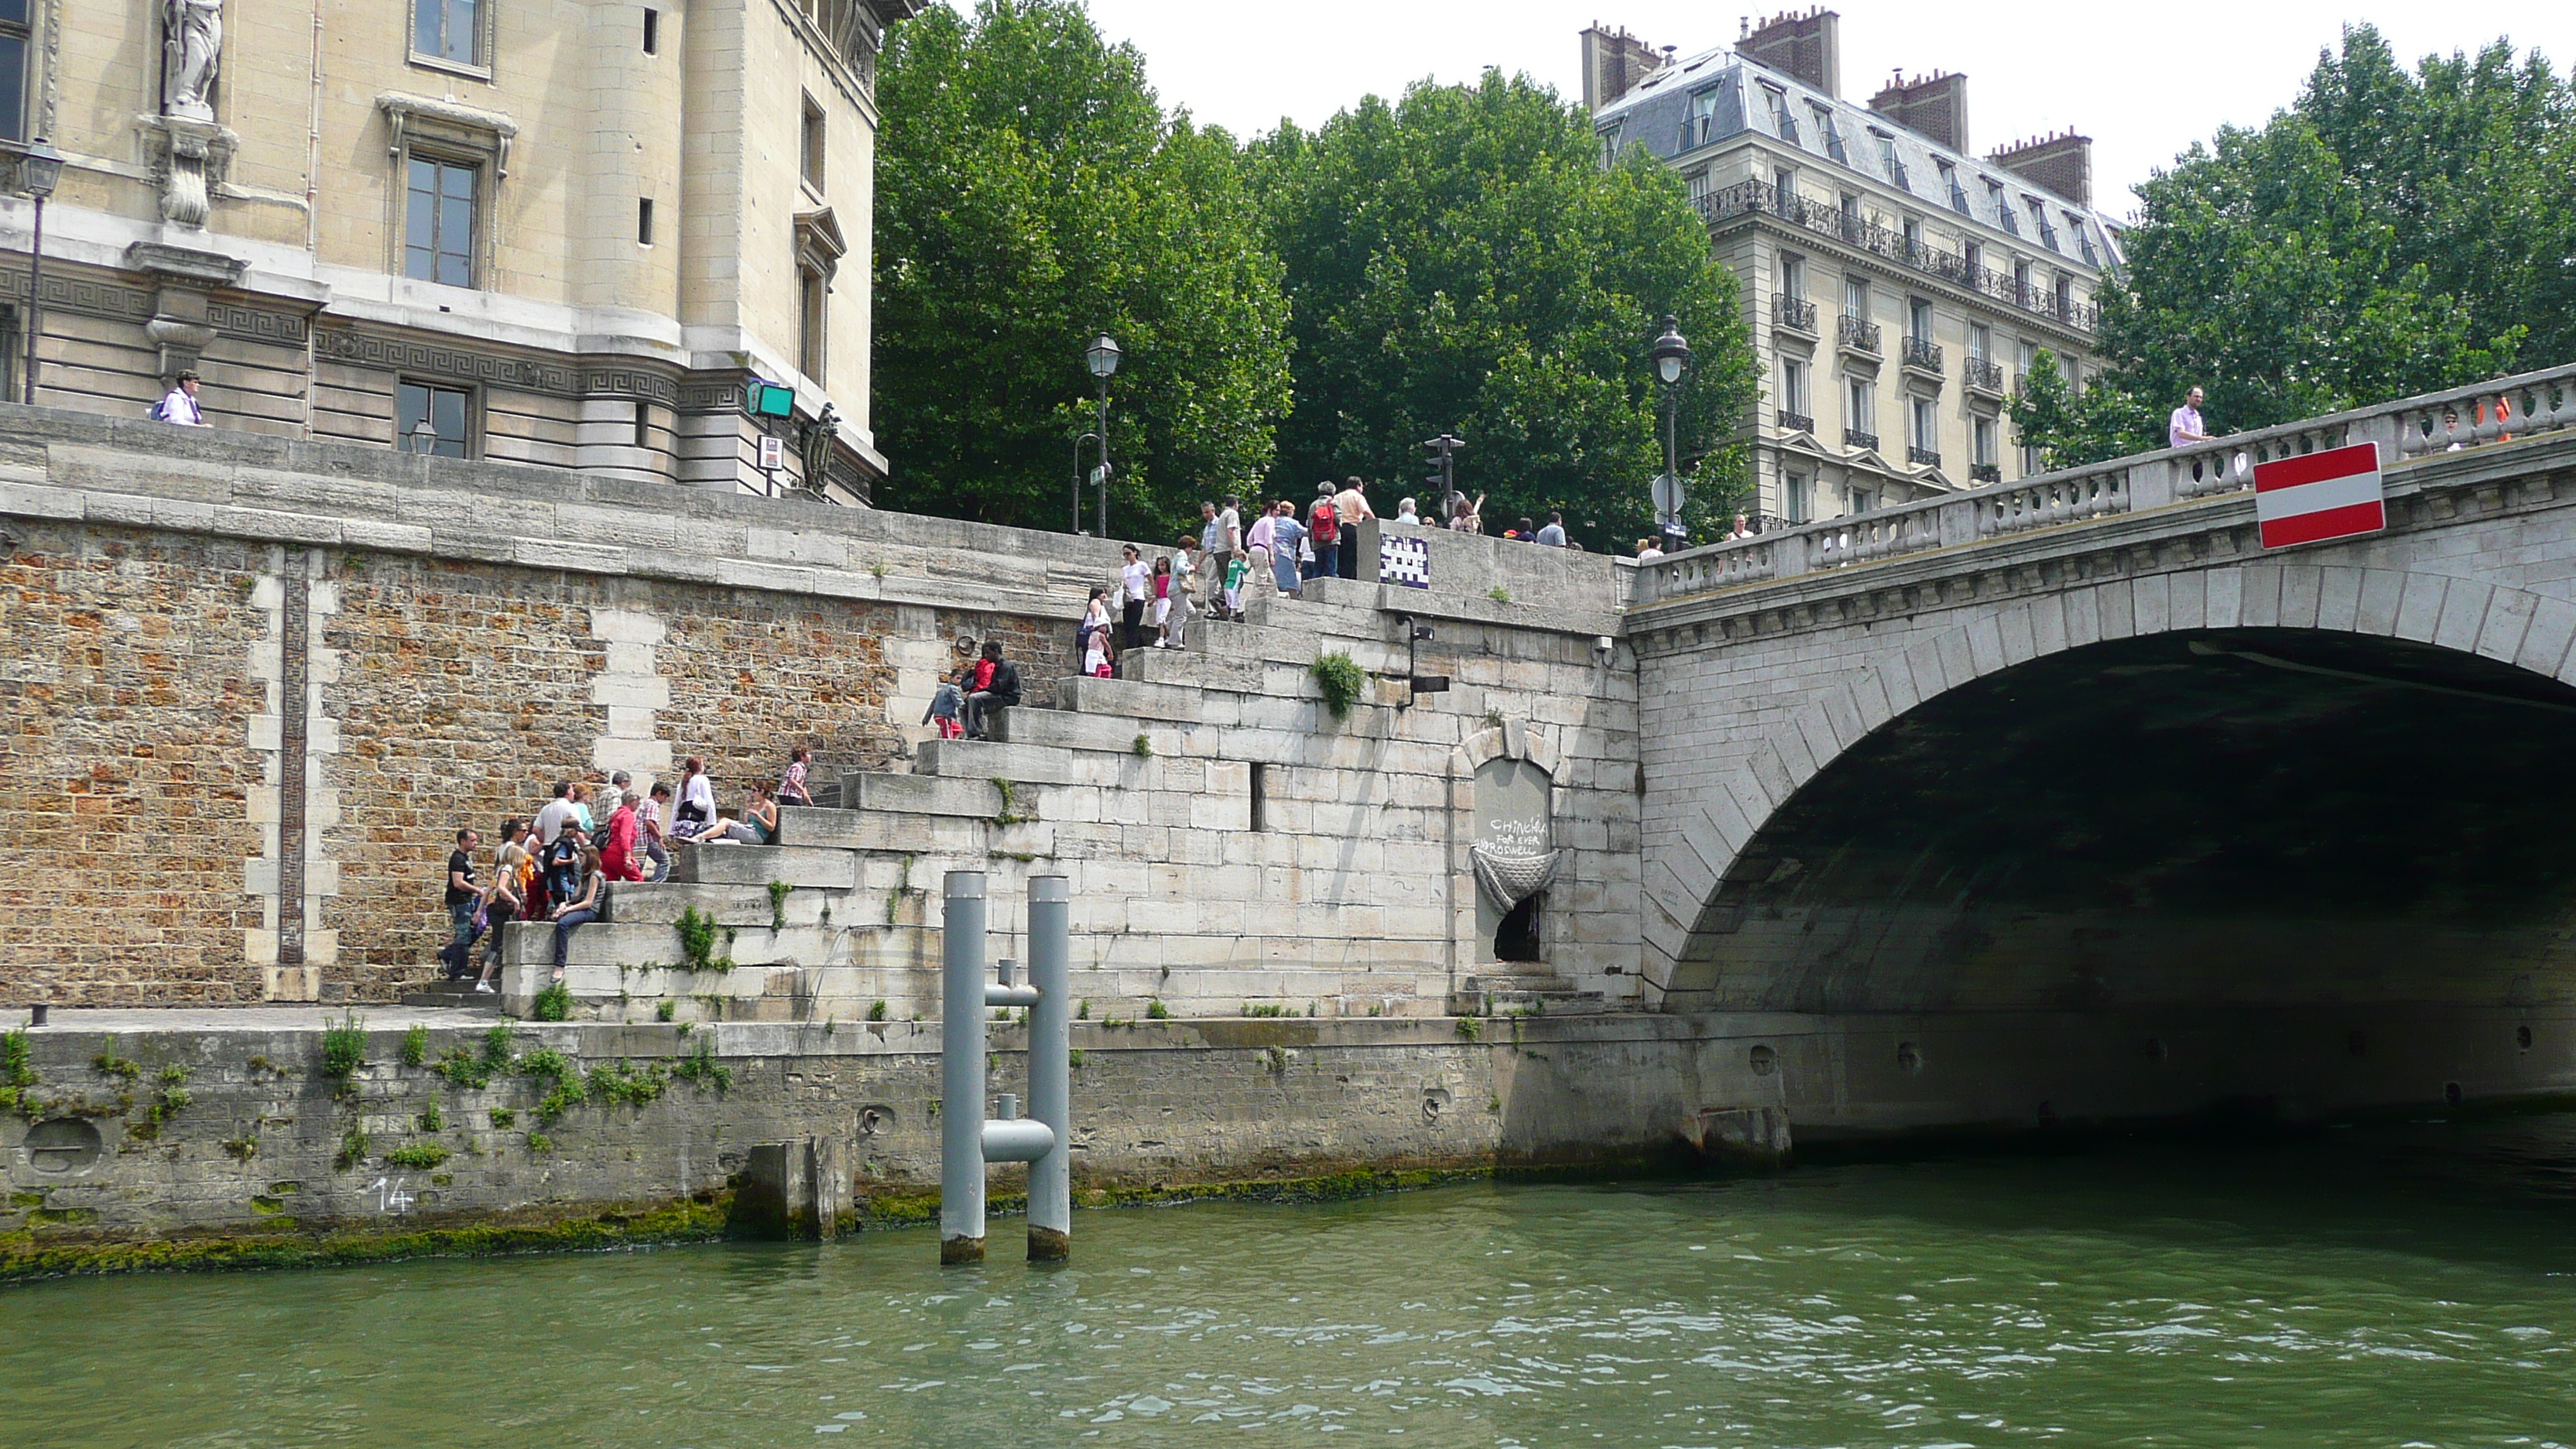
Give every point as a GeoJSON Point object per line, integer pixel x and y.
{"type": "Point", "coordinates": [2394, 1285]}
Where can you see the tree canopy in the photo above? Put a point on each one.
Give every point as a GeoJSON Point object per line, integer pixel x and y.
{"type": "Point", "coordinates": [1461, 261]}
{"type": "Point", "coordinates": [2390, 232]}
{"type": "Point", "coordinates": [1030, 193]}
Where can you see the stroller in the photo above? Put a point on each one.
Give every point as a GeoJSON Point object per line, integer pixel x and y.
{"type": "Point", "coordinates": [944, 707]}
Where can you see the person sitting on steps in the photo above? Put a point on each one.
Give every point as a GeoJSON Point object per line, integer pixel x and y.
{"type": "Point", "coordinates": [995, 688]}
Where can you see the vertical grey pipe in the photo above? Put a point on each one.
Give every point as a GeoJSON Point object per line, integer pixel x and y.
{"type": "Point", "coordinates": [961, 1069]}
{"type": "Point", "coordinates": [1051, 1067]}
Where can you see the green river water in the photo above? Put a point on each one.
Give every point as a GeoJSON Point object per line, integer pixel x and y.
{"type": "Point", "coordinates": [2391, 1286]}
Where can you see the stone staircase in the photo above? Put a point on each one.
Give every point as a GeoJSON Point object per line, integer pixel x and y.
{"type": "Point", "coordinates": [1500, 991]}
{"type": "Point", "coordinates": [1135, 787]}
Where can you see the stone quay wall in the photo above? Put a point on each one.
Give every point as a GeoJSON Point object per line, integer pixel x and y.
{"type": "Point", "coordinates": [460, 635]}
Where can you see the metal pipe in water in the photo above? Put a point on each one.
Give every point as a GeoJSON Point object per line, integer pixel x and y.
{"type": "Point", "coordinates": [1050, 1067]}
{"type": "Point", "coordinates": [961, 1069]}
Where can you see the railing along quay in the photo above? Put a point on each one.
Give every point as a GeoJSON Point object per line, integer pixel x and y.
{"type": "Point", "coordinates": [2461, 418]}
{"type": "Point", "coordinates": [1761, 198]}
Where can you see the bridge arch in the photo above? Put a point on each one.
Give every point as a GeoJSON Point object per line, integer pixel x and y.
{"type": "Point", "coordinates": [1740, 915]}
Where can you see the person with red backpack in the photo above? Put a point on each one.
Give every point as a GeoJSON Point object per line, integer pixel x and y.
{"type": "Point", "coordinates": [1324, 531]}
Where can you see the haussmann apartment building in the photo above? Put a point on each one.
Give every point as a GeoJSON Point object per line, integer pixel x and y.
{"type": "Point", "coordinates": [568, 232]}
{"type": "Point", "coordinates": [1897, 285]}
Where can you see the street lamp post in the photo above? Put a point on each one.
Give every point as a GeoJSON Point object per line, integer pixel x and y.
{"type": "Point", "coordinates": [1672, 358]}
{"type": "Point", "coordinates": [40, 166]}
{"type": "Point", "coordinates": [1102, 358]}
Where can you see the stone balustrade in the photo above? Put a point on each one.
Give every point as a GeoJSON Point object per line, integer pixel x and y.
{"type": "Point", "coordinates": [2479, 415]}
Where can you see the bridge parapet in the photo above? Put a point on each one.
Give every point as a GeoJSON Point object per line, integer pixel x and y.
{"type": "Point", "coordinates": [2460, 418]}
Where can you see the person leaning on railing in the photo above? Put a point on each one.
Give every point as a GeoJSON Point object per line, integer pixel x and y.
{"type": "Point", "coordinates": [2185, 426]}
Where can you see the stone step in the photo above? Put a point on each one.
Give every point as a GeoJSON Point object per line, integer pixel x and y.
{"type": "Point", "coordinates": [1103, 733]}
{"type": "Point", "coordinates": [921, 794]}
{"type": "Point", "coordinates": [1024, 764]}
{"type": "Point", "coordinates": [797, 865]}
{"type": "Point", "coordinates": [1179, 703]}
{"type": "Point", "coordinates": [1528, 1003]}
{"type": "Point", "coordinates": [1515, 981]}
{"type": "Point", "coordinates": [455, 996]}
{"type": "Point", "coordinates": [882, 829]}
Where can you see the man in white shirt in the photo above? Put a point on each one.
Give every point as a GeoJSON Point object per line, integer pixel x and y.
{"type": "Point", "coordinates": [1553, 536]}
{"type": "Point", "coordinates": [1350, 506]}
{"type": "Point", "coordinates": [559, 812]}
{"type": "Point", "coordinates": [179, 406]}
{"type": "Point", "coordinates": [2185, 425]}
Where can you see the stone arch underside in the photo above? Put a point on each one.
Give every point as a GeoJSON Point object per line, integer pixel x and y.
{"type": "Point", "coordinates": [2257, 784]}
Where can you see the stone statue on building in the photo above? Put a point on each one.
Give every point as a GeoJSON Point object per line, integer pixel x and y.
{"type": "Point", "coordinates": [192, 43]}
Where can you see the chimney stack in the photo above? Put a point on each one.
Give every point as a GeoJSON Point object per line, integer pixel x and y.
{"type": "Point", "coordinates": [1807, 47]}
{"type": "Point", "coordinates": [1935, 106]}
{"type": "Point", "coordinates": [1614, 63]}
{"type": "Point", "coordinates": [2062, 163]}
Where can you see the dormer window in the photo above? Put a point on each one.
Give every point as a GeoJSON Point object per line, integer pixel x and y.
{"type": "Point", "coordinates": [1781, 119]}
{"type": "Point", "coordinates": [1700, 127]}
{"type": "Point", "coordinates": [1887, 155]}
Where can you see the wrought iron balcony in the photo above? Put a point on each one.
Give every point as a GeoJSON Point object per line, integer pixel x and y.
{"type": "Point", "coordinates": [1923, 355]}
{"type": "Point", "coordinates": [1761, 198]}
{"type": "Point", "coordinates": [1923, 457]}
{"type": "Point", "coordinates": [1985, 472]}
{"type": "Point", "coordinates": [1794, 422]}
{"type": "Point", "coordinates": [1986, 375]}
{"type": "Point", "coordinates": [1855, 438]}
{"type": "Point", "coordinates": [1856, 334]}
{"type": "Point", "coordinates": [1797, 314]}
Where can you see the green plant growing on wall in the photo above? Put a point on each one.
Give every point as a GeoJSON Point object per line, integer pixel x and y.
{"type": "Point", "coordinates": [698, 941]}
{"type": "Point", "coordinates": [173, 1097]}
{"type": "Point", "coordinates": [1469, 1029]}
{"type": "Point", "coordinates": [1010, 813]}
{"type": "Point", "coordinates": [621, 1082]}
{"type": "Point", "coordinates": [108, 1064]}
{"type": "Point", "coordinates": [1144, 747]}
{"type": "Point", "coordinates": [540, 1144]}
{"type": "Point", "coordinates": [344, 1048]}
{"type": "Point", "coordinates": [433, 1120]}
{"type": "Point", "coordinates": [876, 1011]}
{"type": "Point", "coordinates": [1083, 1013]}
{"type": "Point", "coordinates": [552, 1004]}
{"type": "Point", "coordinates": [504, 1117]}
{"type": "Point", "coordinates": [702, 1068]}
{"type": "Point", "coordinates": [778, 890]}
{"type": "Point", "coordinates": [1157, 1010]}
{"type": "Point", "coordinates": [415, 1046]}
{"type": "Point", "coordinates": [420, 1156]}
{"type": "Point", "coordinates": [1340, 679]}
{"type": "Point", "coordinates": [242, 1148]}
{"type": "Point", "coordinates": [1074, 1057]}
{"type": "Point", "coordinates": [1499, 594]}
{"type": "Point", "coordinates": [17, 1070]}
{"type": "Point", "coordinates": [664, 1010]}
{"type": "Point", "coordinates": [353, 1149]}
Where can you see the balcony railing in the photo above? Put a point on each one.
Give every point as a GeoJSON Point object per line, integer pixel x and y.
{"type": "Point", "coordinates": [1923, 355]}
{"type": "Point", "coordinates": [1856, 334]}
{"type": "Point", "coordinates": [1761, 198]}
{"type": "Point", "coordinates": [1985, 472]}
{"type": "Point", "coordinates": [1986, 375]}
{"type": "Point", "coordinates": [1855, 438]}
{"type": "Point", "coordinates": [1794, 422]}
{"type": "Point", "coordinates": [1923, 457]}
{"type": "Point", "coordinates": [1797, 313]}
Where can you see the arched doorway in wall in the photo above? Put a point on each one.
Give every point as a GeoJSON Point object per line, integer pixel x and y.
{"type": "Point", "coordinates": [1515, 853]}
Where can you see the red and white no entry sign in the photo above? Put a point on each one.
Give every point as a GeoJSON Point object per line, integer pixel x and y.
{"type": "Point", "coordinates": [2318, 496]}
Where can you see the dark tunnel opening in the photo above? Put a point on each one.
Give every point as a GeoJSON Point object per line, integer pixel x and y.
{"type": "Point", "coordinates": [2216, 839]}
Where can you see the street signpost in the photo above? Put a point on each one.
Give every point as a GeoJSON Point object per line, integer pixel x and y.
{"type": "Point", "coordinates": [2319, 496]}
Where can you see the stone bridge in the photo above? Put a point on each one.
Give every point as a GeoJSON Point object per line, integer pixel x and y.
{"type": "Point", "coordinates": [2080, 763]}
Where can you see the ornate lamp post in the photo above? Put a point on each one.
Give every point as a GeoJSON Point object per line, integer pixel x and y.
{"type": "Point", "coordinates": [40, 166]}
{"type": "Point", "coordinates": [1672, 358]}
{"type": "Point", "coordinates": [1102, 358]}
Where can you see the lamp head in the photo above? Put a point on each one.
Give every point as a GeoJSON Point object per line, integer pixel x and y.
{"type": "Point", "coordinates": [1102, 356]}
{"type": "Point", "coordinates": [39, 169]}
{"type": "Point", "coordinates": [1672, 355]}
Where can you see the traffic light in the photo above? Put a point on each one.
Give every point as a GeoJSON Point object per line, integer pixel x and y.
{"type": "Point", "coordinates": [1443, 450]}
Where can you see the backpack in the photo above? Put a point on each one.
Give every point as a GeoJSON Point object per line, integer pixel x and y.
{"type": "Point", "coordinates": [1327, 522]}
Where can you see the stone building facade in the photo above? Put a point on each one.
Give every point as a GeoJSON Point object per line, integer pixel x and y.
{"type": "Point", "coordinates": [1897, 286]}
{"type": "Point", "coordinates": [570, 232]}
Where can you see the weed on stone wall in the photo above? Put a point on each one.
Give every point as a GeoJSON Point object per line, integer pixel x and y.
{"type": "Point", "coordinates": [702, 1067]}
{"type": "Point", "coordinates": [1011, 813]}
{"type": "Point", "coordinates": [108, 1064]}
{"type": "Point", "coordinates": [778, 890]}
{"type": "Point", "coordinates": [17, 1070]}
{"type": "Point", "coordinates": [1341, 681]}
{"type": "Point", "coordinates": [698, 941]}
{"type": "Point", "coordinates": [344, 1049]}
{"type": "Point", "coordinates": [415, 1046]}
{"type": "Point", "coordinates": [552, 1004]}
{"type": "Point", "coordinates": [421, 1156]}
{"type": "Point", "coordinates": [353, 1149]}
{"type": "Point", "coordinates": [877, 1010]}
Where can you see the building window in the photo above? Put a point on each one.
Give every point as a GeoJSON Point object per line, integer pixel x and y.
{"type": "Point", "coordinates": [1918, 319]}
{"type": "Point", "coordinates": [2065, 296]}
{"type": "Point", "coordinates": [2021, 281]}
{"type": "Point", "coordinates": [1610, 143]}
{"type": "Point", "coordinates": [1913, 239]}
{"type": "Point", "coordinates": [810, 292]}
{"type": "Point", "coordinates": [1793, 497]}
{"type": "Point", "coordinates": [1699, 187]}
{"type": "Point", "coordinates": [643, 425]}
{"type": "Point", "coordinates": [1858, 414]}
{"type": "Point", "coordinates": [1781, 121]}
{"type": "Point", "coordinates": [812, 148]}
{"type": "Point", "coordinates": [644, 221]}
{"type": "Point", "coordinates": [1793, 274]}
{"type": "Point", "coordinates": [446, 411]}
{"type": "Point", "coordinates": [1927, 424]}
{"type": "Point", "coordinates": [1981, 342]}
{"type": "Point", "coordinates": [448, 30]}
{"type": "Point", "coordinates": [14, 36]}
{"type": "Point", "coordinates": [2003, 208]}
{"type": "Point", "coordinates": [1856, 298]}
{"type": "Point", "coordinates": [1862, 500]}
{"type": "Point", "coordinates": [1701, 126]}
{"type": "Point", "coordinates": [1784, 185]}
{"type": "Point", "coordinates": [1973, 258]}
{"type": "Point", "coordinates": [1981, 445]}
{"type": "Point", "coordinates": [1793, 386]}
{"type": "Point", "coordinates": [652, 32]}
{"type": "Point", "coordinates": [438, 228]}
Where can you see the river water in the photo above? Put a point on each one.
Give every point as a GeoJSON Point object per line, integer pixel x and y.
{"type": "Point", "coordinates": [2407, 1285]}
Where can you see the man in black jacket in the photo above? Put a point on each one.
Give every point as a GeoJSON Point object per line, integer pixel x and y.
{"type": "Point", "coordinates": [998, 688]}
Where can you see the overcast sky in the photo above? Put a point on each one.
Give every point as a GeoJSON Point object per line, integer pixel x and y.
{"type": "Point", "coordinates": [2143, 81]}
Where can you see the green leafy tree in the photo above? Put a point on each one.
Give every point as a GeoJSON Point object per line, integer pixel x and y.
{"type": "Point", "coordinates": [1462, 261]}
{"type": "Point", "coordinates": [2389, 233]}
{"type": "Point", "coordinates": [1030, 193]}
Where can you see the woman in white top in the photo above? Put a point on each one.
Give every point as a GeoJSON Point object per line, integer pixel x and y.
{"type": "Point", "coordinates": [697, 808]}
{"type": "Point", "coordinates": [1135, 590]}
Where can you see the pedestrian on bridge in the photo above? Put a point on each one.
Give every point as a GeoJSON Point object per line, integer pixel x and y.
{"type": "Point", "coordinates": [2185, 426]}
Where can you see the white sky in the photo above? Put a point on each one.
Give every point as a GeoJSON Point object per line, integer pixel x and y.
{"type": "Point", "coordinates": [2143, 80]}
